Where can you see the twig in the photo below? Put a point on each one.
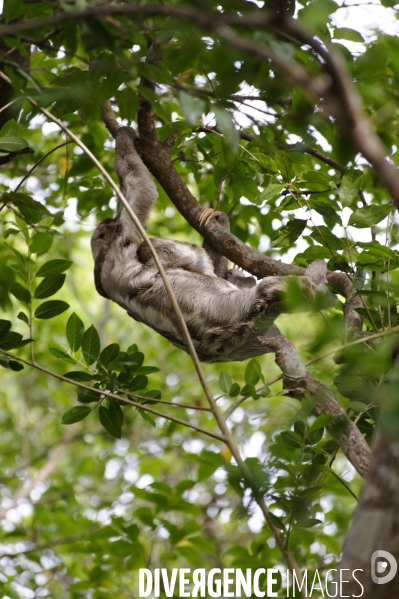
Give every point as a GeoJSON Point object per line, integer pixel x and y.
{"type": "Point", "coordinates": [352, 343]}
{"type": "Point", "coordinates": [30, 171]}
{"type": "Point", "coordinates": [53, 543]}
{"type": "Point", "coordinates": [113, 396]}
{"type": "Point", "coordinates": [167, 403]}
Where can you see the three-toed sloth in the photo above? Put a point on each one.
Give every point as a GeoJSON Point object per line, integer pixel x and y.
{"type": "Point", "coordinates": [229, 316]}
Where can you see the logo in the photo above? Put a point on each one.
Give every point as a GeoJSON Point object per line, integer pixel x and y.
{"type": "Point", "coordinates": [379, 564]}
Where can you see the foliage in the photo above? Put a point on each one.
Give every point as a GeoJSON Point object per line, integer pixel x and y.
{"type": "Point", "coordinates": [131, 487]}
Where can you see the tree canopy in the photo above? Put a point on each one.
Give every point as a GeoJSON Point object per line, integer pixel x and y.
{"type": "Point", "coordinates": [117, 452]}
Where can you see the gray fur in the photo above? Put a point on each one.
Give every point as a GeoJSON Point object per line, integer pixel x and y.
{"type": "Point", "coordinates": [229, 318]}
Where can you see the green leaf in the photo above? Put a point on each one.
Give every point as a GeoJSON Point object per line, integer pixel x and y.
{"type": "Point", "coordinates": [30, 209]}
{"type": "Point", "coordinates": [271, 192]}
{"type": "Point", "coordinates": [13, 341]}
{"type": "Point", "coordinates": [143, 369]}
{"type": "Point", "coordinates": [21, 293]}
{"type": "Point", "coordinates": [154, 394]}
{"type": "Point", "coordinates": [78, 375]}
{"type": "Point", "coordinates": [225, 382]}
{"type": "Point", "coordinates": [314, 437]}
{"type": "Point", "coordinates": [350, 186]}
{"type": "Point", "coordinates": [87, 396]}
{"type": "Point", "coordinates": [284, 165]}
{"type": "Point", "coordinates": [369, 215]}
{"type": "Point", "coordinates": [291, 439]}
{"type": "Point", "coordinates": [41, 242]}
{"type": "Point", "coordinates": [374, 247]}
{"type": "Point", "coordinates": [22, 316]}
{"type": "Point", "coordinates": [267, 162]}
{"type": "Point", "coordinates": [116, 410]}
{"type": "Point", "coordinates": [265, 391]}
{"type": "Point", "coordinates": [327, 238]}
{"type": "Point", "coordinates": [49, 286]}
{"type": "Point", "coordinates": [234, 390]}
{"type": "Point", "coordinates": [289, 233]}
{"type": "Point", "coordinates": [53, 267]}
{"type": "Point", "coordinates": [358, 406]}
{"type": "Point", "coordinates": [226, 125]}
{"type": "Point", "coordinates": [316, 14]}
{"type": "Point", "coordinates": [253, 372]}
{"type": "Point", "coordinates": [346, 33]}
{"type": "Point", "coordinates": [109, 353]}
{"type": "Point", "coordinates": [51, 309]}
{"type": "Point", "coordinates": [307, 405]}
{"type": "Point", "coordinates": [110, 422]}
{"type": "Point", "coordinates": [15, 366]}
{"type": "Point", "coordinates": [9, 129]}
{"type": "Point", "coordinates": [316, 181]}
{"type": "Point", "coordinates": [5, 326]}
{"type": "Point", "coordinates": [91, 345]}
{"type": "Point", "coordinates": [145, 416]}
{"type": "Point", "coordinates": [192, 107]}
{"type": "Point", "coordinates": [139, 382]}
{"type": "Point", "coordinates": [12, 144]}
{"type": "Point", "coordinates": [74, 332]}
{"type": "Point", "coordinates": [61, 355]}
{"type": "Point", "coordinates": [277, 521]}
{"type": "Point", "coordinates": [321, 422]}
{"type": "Point", "coordinates": [248, 390]}
{"type": "Point", "coordinates": [75, 414]}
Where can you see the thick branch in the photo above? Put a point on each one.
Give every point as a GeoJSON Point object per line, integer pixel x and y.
{"type": "Point", "coordinates": [342, 429]}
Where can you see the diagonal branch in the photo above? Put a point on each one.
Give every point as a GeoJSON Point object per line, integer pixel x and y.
{"type": "Point", "coordinates": [106, 393]}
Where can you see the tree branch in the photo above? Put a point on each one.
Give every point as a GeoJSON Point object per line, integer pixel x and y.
{"type": "Point", "coordinates": [53, 543]}
{"type": "Point", "coordinates": [114, 396]}
{"type": "Point", "coordinates": [345, 104]}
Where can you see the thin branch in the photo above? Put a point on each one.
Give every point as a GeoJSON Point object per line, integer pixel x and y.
{"type": "Point", "coordinates": [53, 543]}
{"type": "Point", "coordinates": [344, 484]}
{"type": "Point", "coordinates": [8, 105]}
{"type": "Point", "coordinates": [320, 156]}
{"type": "Point", "coordinates": [167, 403]}
{"type": "Point", "coordinates": [113, 396]}
{"type": "Point", "coordinates": [352, 343]}
{"type": "Point", "coordinates": [30, 171]}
